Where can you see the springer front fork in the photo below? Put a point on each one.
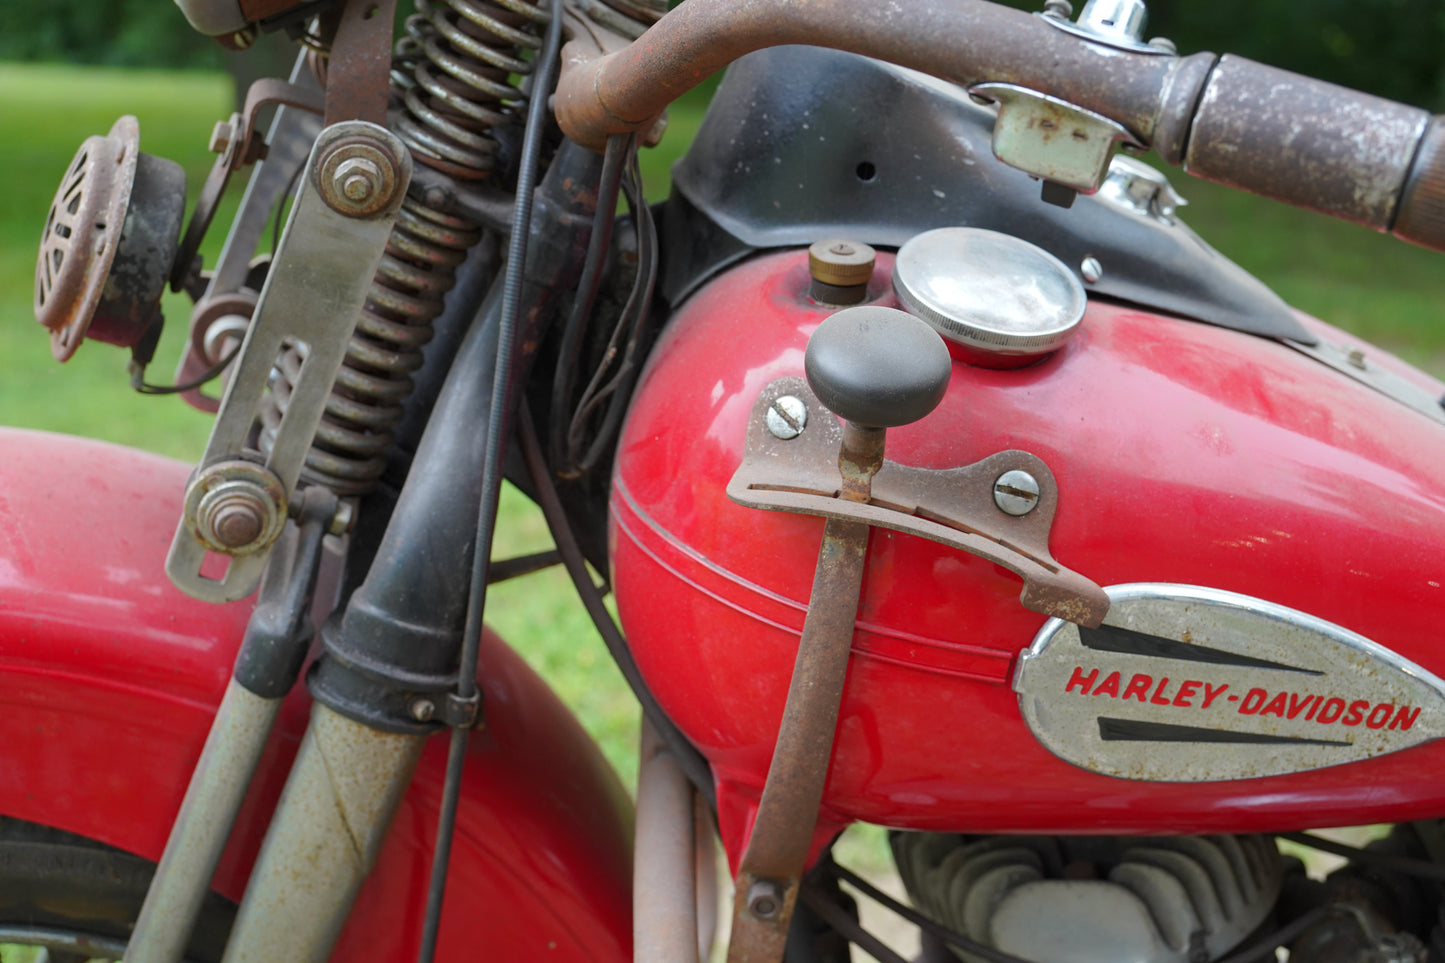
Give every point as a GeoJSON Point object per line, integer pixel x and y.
{"type": "Point", "coordinates": [237, 507]}
{"type": "Point", "coordinates": [325, 369]}
{"type": "Point", "coordinates": [387, 677]}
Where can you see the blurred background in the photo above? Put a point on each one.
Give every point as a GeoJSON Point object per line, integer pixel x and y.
{"type": "Point", "coordinates": [68, 70]}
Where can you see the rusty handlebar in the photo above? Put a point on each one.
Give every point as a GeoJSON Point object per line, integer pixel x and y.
{"type": "Point", "coordinates": [1226, 119]}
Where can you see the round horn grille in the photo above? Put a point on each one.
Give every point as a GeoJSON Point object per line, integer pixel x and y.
{"type": "Point", "coordinates": [82, 234]}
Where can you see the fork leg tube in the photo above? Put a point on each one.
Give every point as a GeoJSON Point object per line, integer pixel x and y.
{"type": "Point", "coordinates": [222, 776]}
{"type": "Point", "coordinates": [329, 826]}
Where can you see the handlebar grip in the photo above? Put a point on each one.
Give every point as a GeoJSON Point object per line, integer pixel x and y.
{"type": "Point", "coordinates": [1309, 143]}
{"type": "Point", "coordinates": [1421, 218]}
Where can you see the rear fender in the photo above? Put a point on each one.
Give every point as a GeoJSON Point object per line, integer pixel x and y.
{"type": "Point", "coordinates": [109, 678]}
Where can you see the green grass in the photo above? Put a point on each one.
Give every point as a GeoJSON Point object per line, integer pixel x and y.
{"type": "Point", "coordinates": [1372, 285]}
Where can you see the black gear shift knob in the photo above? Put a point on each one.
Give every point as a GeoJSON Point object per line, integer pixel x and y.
{"type": "Point", "coordinates": [877, 367]}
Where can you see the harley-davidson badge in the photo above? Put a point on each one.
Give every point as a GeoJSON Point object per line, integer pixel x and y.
{"type": "Point", "coordinates": [1190, 684]}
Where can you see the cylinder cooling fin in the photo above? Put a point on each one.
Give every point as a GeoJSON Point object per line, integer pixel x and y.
{"type": "Point", "coordinates": [1104, 899]}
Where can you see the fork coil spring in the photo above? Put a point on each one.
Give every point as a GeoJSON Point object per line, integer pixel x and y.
{"type": "Point", "coordinates": [452, 70]}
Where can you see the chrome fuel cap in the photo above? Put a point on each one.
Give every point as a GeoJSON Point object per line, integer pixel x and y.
{"type": "Point", "coordinates": [998, 301]}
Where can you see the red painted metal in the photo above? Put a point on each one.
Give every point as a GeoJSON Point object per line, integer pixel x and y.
{"type": "Point", "coordinates": [1183, 452]}
{"type": "Point", "coordinates": [109, 677]}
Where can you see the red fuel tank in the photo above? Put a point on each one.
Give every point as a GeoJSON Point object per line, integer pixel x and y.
{"type": "Point", "coordinates": [1183, 453]}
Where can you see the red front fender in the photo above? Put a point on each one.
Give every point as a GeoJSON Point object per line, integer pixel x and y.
{"type": "Point", "coordinates": [109, 677]}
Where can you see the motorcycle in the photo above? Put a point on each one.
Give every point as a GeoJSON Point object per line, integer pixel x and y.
{"type": "Point", "coordinates": [945, 482]}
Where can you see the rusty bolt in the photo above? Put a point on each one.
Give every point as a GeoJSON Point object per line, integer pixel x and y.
{"type": "Point", "coordinates": [1059, 8]}
{"type": "Point", "coordinates": [235, 507]}
{"type": "Point", "coordinates": [1356, 357]}
{"type": "Point", "coordinates": [1016, 492]}
{"type": "Point", "coordinates": [237, 519]}
{"type": "Point", "coordinates": [220, 137]}
{"type": "Point", "coordinates": [787, 417]}
{"type": "Point", "coordinates": [233, 514]}
{"type": "Point", "coordinates": [357, 178]}
{"type": "Point", "coordinates": [765, 899]}
{"type": "Point", "coordinates": [423, 710]}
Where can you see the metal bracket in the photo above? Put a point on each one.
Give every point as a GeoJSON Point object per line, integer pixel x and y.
{"type": "Point", "coordinates": [460, 713]}
{"type": "Point", "coordinates": [1117, 24]}
{"type": "Point", "coordinates": [953, 507]}
{"type": "Point", "coordinates": [288, 141]}
{"type": "Point", "coordinates": [238, 143]}
{"type": "Point", "coordinates": [313, 295]}
{"type": "Point", "coordinates": [360, 64]}
{"type": "Point", "coordinates": [1051, 138]}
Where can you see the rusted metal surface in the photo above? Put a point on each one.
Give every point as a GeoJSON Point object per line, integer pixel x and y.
{"type": "Point", "coordinates": [771, 868]}
{"type": "Point", "coordinates": [218, 325]}
{"type": "Point", "coordinates": [329, 826]}
{"type": "Point", "coordinates": [358, 176]}
{"type": "Point", "coordinates": [1303, 141]}
{"type": "Point", "coordinates": [313, 294]}
{"type": "Point", "coordinates": [103, 260]}
{"type": "Point", "coordinates": [859, 457]}
{"type": "Point", "coordinates": [1421, 219]}
{"type": "Point", "coordinates": [963, 41]}
{"type": "Point", "coordinates": [664, 890]}
{"type": "Point", "coordinates": [463, 56]}
{"type": "Point", "coordinates": [1268, 131]}
{"type": "Point", "coordinates": [1051, 138]}
{"type": "Point", "coordinates": [235, 507]}
{"type": "Point", "coordinates": [267, 667]}
{"type": "Point", "coordinates": [773, 862]}
{"type": "Point", "coordinates": [358, 74]}
{"type": "Point", "coordinates": [954, 507]}
{"type": "Point", "coordinates": [1178, 101]}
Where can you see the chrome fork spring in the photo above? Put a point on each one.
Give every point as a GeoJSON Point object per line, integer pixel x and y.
{"type": "Point", "coordinates": [348, 454]}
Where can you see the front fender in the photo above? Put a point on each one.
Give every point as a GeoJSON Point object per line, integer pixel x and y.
{"type": "Point", "coordinates": [109, 678]}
